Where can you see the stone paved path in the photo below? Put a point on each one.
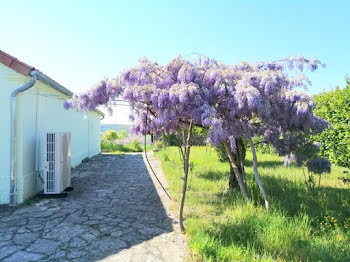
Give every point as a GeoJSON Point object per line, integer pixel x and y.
{"type": "Point", "coordinates": [117, 212]}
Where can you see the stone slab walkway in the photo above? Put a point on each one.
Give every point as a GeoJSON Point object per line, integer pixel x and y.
{"type": "Point", "coordinates": [117, 212]}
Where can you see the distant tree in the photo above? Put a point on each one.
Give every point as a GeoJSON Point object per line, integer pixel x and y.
{"type": "Point", "coordinates": [334, 106]}
{"type": "Point", "coordinates": [110, 136]}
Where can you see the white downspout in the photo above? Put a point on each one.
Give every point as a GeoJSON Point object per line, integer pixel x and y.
{"type": "Point", "coordinates": [89, 124]}
{"type": "Point", "coordinates": [37, 137]}
{"type": "Point", "coordinates": [21, 89]}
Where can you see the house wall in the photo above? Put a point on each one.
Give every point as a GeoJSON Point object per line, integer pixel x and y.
{"type": "Point", "coordinates": [52, 117]}
{"type": "Point", "coordinates": [9, 80]}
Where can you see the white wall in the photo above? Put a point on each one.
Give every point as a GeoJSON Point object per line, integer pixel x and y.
{"type": "Point", "coordinates": [84, 128]}
{"type": "Point", "coordinates": [9, 80]}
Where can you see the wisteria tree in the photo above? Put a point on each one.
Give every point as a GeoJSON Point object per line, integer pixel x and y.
{"type": "Point", "coordinates": [234, 102]}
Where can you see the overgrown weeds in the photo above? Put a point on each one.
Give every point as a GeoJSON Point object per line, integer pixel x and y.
{"type": "Point", "coordinates": [222, 227]}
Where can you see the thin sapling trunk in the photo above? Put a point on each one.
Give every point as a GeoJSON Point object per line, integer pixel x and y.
{"type": "Point", "coordinates": [256, 173]}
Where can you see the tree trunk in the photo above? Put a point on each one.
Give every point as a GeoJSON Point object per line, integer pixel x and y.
{"type": "Point", "coordinates": [186, 169]}
{"type": "Point", "coordinates": [241, 151]}
{"type": "Point", "coordinates": [232, 180]}
{"type": "Point", "coordinates": [237, 172]}
{"type": "Point", "coordinates": [256, 173]}
{"type": "Point", "coordinates": [238, 158]}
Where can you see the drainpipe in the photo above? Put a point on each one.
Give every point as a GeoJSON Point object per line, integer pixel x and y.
{"type": "Point", "coordinates": [37, 123]}
{"type": "Point", "coordinates": [21, 89]}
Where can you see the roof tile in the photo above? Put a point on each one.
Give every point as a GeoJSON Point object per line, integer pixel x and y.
{"type": "Point", "coordinates": [15, 64]}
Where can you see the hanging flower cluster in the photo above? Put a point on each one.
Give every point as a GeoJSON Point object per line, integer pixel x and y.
{"type": "Point", "coordinates": [265, 98]}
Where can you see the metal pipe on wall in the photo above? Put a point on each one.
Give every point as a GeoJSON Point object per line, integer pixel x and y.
{"type": "Point", "coordinates": [13, 97]}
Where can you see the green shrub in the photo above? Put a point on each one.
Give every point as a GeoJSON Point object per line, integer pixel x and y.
{"type": "Point", "coordinates": [334, 106]}
{"type": "Point", "coordinates": [110, 136]}
{"type": "Point", "coordinates": [136, 145]}
{"type": "Point", "coordinates": [122, 134]}
{"type": "Point", "coordinates": [159, 145]}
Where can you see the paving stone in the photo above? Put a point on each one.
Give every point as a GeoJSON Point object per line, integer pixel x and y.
{"type": "Point", "coordinates": [34, 228]}
{"type": "Point", "coordinates": [89, 237]}
{"type": "Point", "coordinates": [64, 232]}
{"type": "Point", "coordinates": [115, 211]}
{"type": "Point", "coordinates": [76, 254]}
{"type": "Point", "coordinates": [124, 224]}
{"type": "Point", "coordinates": [58, 256]}
{"type": "Point", "coordinates": [122, 232]}
{"type": "Point", "coordinates": [133, 238]}
{"type": "Point", "coordinates": [43, 246]}
{"type": "Point", "coordinates": [108, 244]}
{"type": "Point", "coordinates": [76, 243]}
{"type": "Point", "coordinates": [42, 213]}
{"type": "Point", "coordinates": [23, 230]}
{"type": "Point", "coordinates": [15, 222]}
{"type": "Point", "coordinates": [23, 257]}
{"type": "Point", "coordinates": [13, 217]}
{"type": "Point", "coordinates": [75, 219]}
{"type": "Point", "coordinates": [8, 250]}
{"type": "Point", "coordinates": [3, 243]}
{"type": "Point", "coordinates": [6, 236]}
{"type": "Point", "coordinates": [25, 211]}
{"type": "Point", "coordinates": [26, 238]}
{"type": "Point", "coordinates": [151, 230]}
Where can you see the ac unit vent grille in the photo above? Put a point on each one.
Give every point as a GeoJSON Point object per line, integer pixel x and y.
{"type": "Point", "coordinates": [50, 158]}
{"type": "Point", "coordinates": [55, 161]}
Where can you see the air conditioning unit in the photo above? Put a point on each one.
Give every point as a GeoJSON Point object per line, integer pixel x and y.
{"type": "Point", "coordinates": [55, 160]}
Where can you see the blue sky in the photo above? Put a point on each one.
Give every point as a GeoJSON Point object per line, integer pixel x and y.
{"type": "Point", "coordinates": [79, 43]}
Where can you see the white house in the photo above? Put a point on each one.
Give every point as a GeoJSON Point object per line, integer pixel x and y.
{"type": "Point", "coordinates": [31, 103]}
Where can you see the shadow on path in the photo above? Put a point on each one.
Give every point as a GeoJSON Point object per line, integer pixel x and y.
{"type": "Point", "coordinates": [114, 206]}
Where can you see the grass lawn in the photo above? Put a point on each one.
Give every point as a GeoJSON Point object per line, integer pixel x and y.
{"type": "Point", "coordinates": [121, 149]}
{"type": "Point", "coordinates": [222, 227]}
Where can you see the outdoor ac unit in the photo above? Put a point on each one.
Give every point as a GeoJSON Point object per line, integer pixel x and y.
{"type": "Point", "coordinates": [55, 160]}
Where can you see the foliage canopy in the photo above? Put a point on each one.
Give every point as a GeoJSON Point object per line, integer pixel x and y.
{"type": "Point", "coordinates": [334, 106]}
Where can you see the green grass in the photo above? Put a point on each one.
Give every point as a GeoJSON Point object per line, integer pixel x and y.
{"type": "Point", "coordinates": [222, 227]}
{"type": "Point", "coordinates": [107, 147]}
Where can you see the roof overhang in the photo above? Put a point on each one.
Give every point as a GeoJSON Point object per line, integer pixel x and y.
{"type": "Point", "coordinates": [15, 64]}
{"type": "Point", "coordinates": [24, 69]}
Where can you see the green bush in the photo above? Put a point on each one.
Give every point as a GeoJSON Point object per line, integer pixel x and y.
{"type": "Point", "coordinates": [334, 106]}
{"type": "Point", "coordinates": [118, 148]}
{"type": "Point", "coordinates": [159, 145]}
{"type": "Point", "coordinates": [122, 134]}
{"type": "Point", "coordinates": [110, 136]}
{"type": "Point", "coordinates": [110, 147]}
{"type": "Point", "coordinates": [136, 145]}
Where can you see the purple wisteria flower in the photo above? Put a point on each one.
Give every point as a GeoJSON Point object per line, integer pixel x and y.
{"type": "Point", "coordinates": [232, 101]}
